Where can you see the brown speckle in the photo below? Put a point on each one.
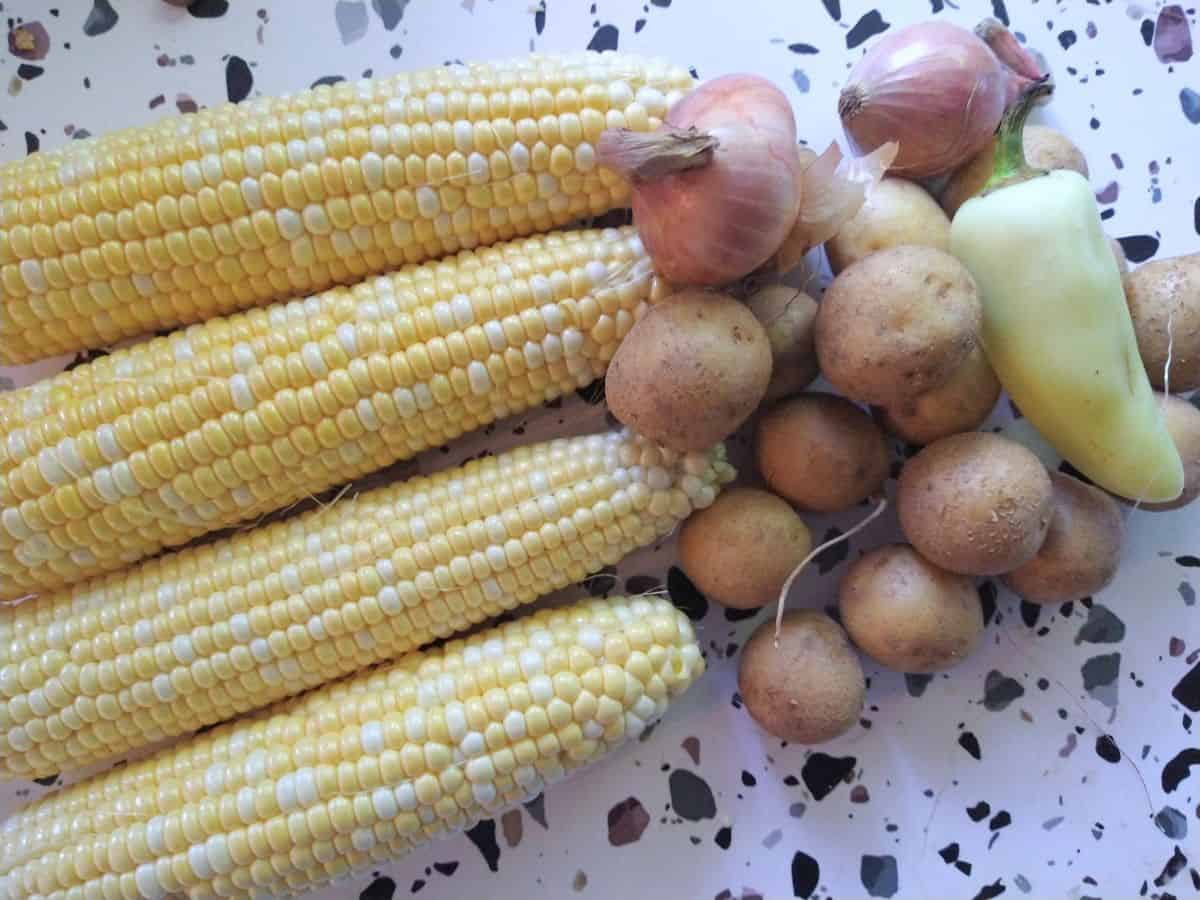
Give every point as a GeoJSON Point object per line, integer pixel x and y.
{"type": "Point", "coordinates": [29, 41]}
{"type": "Point", "coordinates": [512, 827]}
{"type": "Point", "coordinates": [580, 880]}
{"type": "Point", "coordinates": [691, 746]}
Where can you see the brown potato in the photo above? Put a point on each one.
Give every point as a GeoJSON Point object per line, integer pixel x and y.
{"type": "Point", "coordinates": [975, 503]}
{"type": "Point", "coordinates": [906, 613]}
{"type": "Point", "coordinates": [1044, 147]}
{"type": "Point", "coordinates": [1162, 291]}
{"type": "Point", "coordinates": [741, 549]}
{"type": "Point", "coordinates": [811, 687]}
{"type": "Point", "coordinates": [789, 316]}
{"type": "Point", "coordinates": [820, 452]}
{"type": "Point", "coordinates": [1183, 424]}
{"type": "Point", "coordinates": [961, 404]}
{"type": "Point", "coordinates": [690, 371]}
{"type": "Point", "coordinates": [1082, 548]}
{"type": "Point", "coordinates": [896, 212]}
{"type": "Point", "coordinates": [897, 324]}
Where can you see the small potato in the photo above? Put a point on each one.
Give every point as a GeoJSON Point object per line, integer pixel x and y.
{"type": "Point", "coordinates": [789, 316]}
{"type": "Point", "coordinates": [1044, 147]}
{"type": "Point", "coordinates": [690, 371]}
{"type": "Point", "coordinates": [906, 613]}
{"type": "Point", "coordinates": [897, 324]}
{"type": "Point", "coordinates": [896, 212]}
{"type": "Point", "coordinates": [961, 404]}
{"type": "Point", "coordinates": [1183, 424]}
{"type": "Point", "coordinates": [820, 452]}
{"type": "Point", "coordinates": [742, 549]}
{"type": "Point", "coordinates": [1082, 548]}
{"type": "Point", "coordinates": [811, 687]}
{"type": "Point", "coordinates": [975, 503]}
{"type": "Point", "coordinates": [1162, 291]}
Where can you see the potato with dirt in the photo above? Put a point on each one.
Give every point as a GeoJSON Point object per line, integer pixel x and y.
{"type": "Point", "coordinates": [896, 212]}
{"type": "Point", "coordinates": [1164, 303]}
{"type": "Point", "coordinates": [961, 404]}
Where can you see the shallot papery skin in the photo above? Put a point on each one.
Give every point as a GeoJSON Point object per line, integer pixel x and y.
{"type": "Point", "coordinates": [935, 88]}
{"type": "Point", "coordinates": [716, 223]}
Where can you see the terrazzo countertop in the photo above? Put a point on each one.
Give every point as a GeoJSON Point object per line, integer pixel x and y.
{"type": "Point", "coordinates": [1061, 760]}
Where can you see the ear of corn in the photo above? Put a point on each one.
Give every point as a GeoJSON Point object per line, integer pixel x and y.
{"type": "Point", "coordinates": [198, 636]}
{"type": "Point", "coordinates": [155, 445]}
{"type": "Point", "coordinates": [361, 770]}
{"type": "Point", "coordinates": [236, 206]}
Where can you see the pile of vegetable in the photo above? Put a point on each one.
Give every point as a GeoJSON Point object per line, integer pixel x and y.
{"type": "Point", "coordinates": [991, 274]}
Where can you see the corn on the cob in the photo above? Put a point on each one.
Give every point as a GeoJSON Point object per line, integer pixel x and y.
{"type": "Point", "coordinates": [362, 770]}
{"type": "Point", "coordinates": [239, 205]}
{"type": "Point", "coordinates": [119, 458]}
{"type": "Point", "coordinates": [198, 636]}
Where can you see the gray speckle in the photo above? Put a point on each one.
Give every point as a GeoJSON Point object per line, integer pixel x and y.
{"type": "Point", "coordinates": [801, 80]}
{"type": "Point", "coordinates": [1172, 823]}
{"type": "Point", "coordinates": [1188, 593]}
{"type": "Point", "coordinates": [101, 19]}
{"type": "Point", "coordinates": [999, 691]}
{"type": "Point", "coordinates": [797, 810]}
{"type": "Point", "coordinates": [1102, 627]}
{"type": "Point", "coordinates": [351, 16]}
{"type": "Point", "coordinates": [1051, 824]}
{"type": "Point", "coordinates": [879, 875]}
{"type": "Point", "coordinates": [390, 11]}
{"type": "Point", "coordinates": [1190, 101]}
{"type": "Point", "coordinates": [1022, 884]}
{"type": "Point", "coordinates": [6, 383]}
{"type": "Point", "coordinates": [916, 684]}
{"type": "Point", "coordinates": [1100, 674]}
{"type": "Point", "coordinates": [773, 838]}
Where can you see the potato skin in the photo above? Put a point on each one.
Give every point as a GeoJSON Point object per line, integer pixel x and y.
{"type": "Point", "coordinates": [1183, 424]}
{"type": "Point", "coordinates": [1157, 291]}
{"type": "Point", "coordinates": [906, 613]}
{"type": "Point", "coordinates": [1044, 148]}
{"type": "Point", "coordinates": [690, 371]}
{"type": "Point", "coordinates": [897, 324]}
{"type": "Point", "coordinates": [1082, 548]}
{"type": "Point", "coordinates": [740, 550]}
{"type": "Point", "coordinates": [820, 452]}
{"type": "Point", "coordinates": [789, 317]}
{"type": "Point", "coordinates": [975, 503]}
{"type": "Point", "coordinates": [961, 404]}
{"type": "Point", "coordinates": [811, 687]}
{"type": "Point", "coordinates": [896, 212]}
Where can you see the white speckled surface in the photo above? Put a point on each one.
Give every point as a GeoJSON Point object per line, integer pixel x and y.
{"type": "Point", "coordinates": [983, 782]}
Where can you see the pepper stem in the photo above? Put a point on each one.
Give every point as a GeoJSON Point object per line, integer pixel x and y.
{"type": "Point", "coordinates": [1009, 166]}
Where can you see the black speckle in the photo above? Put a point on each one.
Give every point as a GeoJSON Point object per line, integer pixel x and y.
{"type": "Point", "coordinates": [1195, 209]}
{"type": "Point", "coordinates": [748, 780]}
{"type": "Point", "coordinates": [661, 4]}
{"type": "Point", "coordinates": [327, 80]}
{"type": "Point", "coordinates": [686, 597]}
{"type": "Point", "coordinates": [791, 780]}
{"type": "Point", "coordinates": [602, 583]}
{"type": "Point", "coordinates": [988, 891]}
{"type": "Point", "coordinates": [605, 38]}
{"type": "Point", "coordinates": [1188, 562]}
{"type": "Point", "coordinates": [829, 558]}
{"type": "Point", "coordinates": [1103, 626]}
{"type": "Point", "coordinates": [1147, 31]}
{"type": "Point", "coordinates": [417, 885]}
{"type": "Point", "coordinates": [238, 79]}
{"type": "Point", "coordinates": [963, 866]}
{"type": "Point", "coordinates": [738, 615]}
{"type": "Point", "coordinates": [537, 807]}
{"type": "Point", "coordinates": [1173, 867]}
{"type": "Point", "coordinates": [380, 889]}
{"type": "Point", "coordinates": [1066, 38]}
{"type": "Point", "coordinates": [987, 597]}
{"type": "Point", "coordinates": [483, 836]}
{"type": "Point", "coordinates": [208, 9]}
{"type": "Point", "coordinates": [446, 868]}
{"type": "Point", "coordinates": [539, 18]}
{"type": "Point", "coordinates": [46, 780]}
{"type": "Point", "coordinates": [936, 6]}
{"type": "Point", "coordinates": [822, 773]}
{"type": "Point", "coordinates": [4, 127]}
{"type": "Point", "coordinates": [806, 874]}
{"type": "Point", "coordinates": [868, 26]}
{"type": "Point", "coordinates": [638, 26]}
{"type": "Point", "coordinates": [1139, 248]}
{"type": "Point", "coordinates": [592, 394]}
{"type": "Point", "coordinates": [724, 837]}
{"type": "Point", "coordinates": [389, 11]}
{"type": "Point", "coordinates": [916, 684]}
{"type": "Point", "coordinates": [834, 8]}
{"type": "Point", "coordinates": [803, 49]}
{"type": "Point", "coordinates": [970, 743]}
{"type": "Point", "coordinates": [1179, 767]}
{"type": "Point", "coordinates": [395, 54]}
{"type": "Point", "coordinates": [949, 853]}
{"type": "Point", "coordinates": [1030, 613]}
{"type": "Point", "coordinates": [999, 11]}
{"type": "Point", "coordinates": [691, 797]}
{"type": "Point", "coordinates": [29, 72]}
{"type": "Point", "coordinates": [879, 875]}
{"type": "Point", "coordinates": [32, 143]}
{"type": "Point", "coordinates": [1107, 749]}
{"type": "Point", "coordinates": [999, 691]}
{"type": "Point", "coordinates": [979, 811]}
{"type": "Point", "coordinates": [1000, 820]}
{"type": "Point", "coordinates": [101, 19]}
{"type": "Point", "coordinates": [1187, 691]}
